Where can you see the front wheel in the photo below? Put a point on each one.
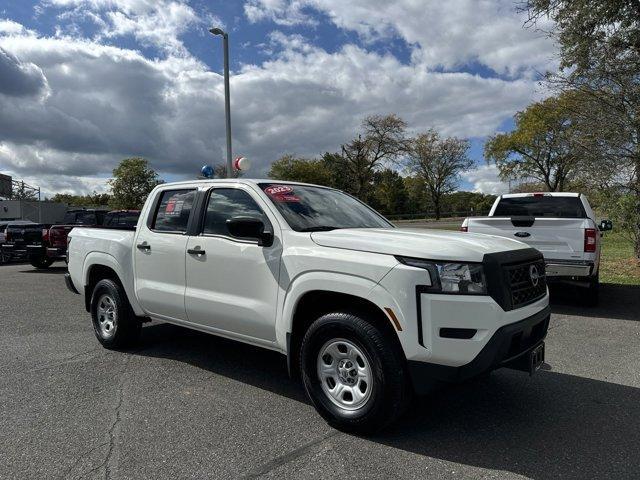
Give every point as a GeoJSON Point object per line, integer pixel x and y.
{"type": "Point", "coordinates": [41, 262]}
{"type": "Point", "coordinates": [114, 322]}
{"type": "Point", "coordinates": [353, 373]}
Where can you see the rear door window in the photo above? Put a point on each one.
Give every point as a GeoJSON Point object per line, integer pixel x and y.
{"type": "Point", "coordinates": [540, 206]}
{"type": "Point", "coordinates": [173, 210]}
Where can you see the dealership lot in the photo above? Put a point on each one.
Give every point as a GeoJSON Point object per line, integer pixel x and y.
{"type": "Point", "coordinates": [188, 405]}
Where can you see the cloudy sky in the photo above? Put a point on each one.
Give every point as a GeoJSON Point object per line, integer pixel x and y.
{"type": "Point", "coordinates": [85, 83]}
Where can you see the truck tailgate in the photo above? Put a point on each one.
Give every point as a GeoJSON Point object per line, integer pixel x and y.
{"type": "Point", "coordinates": [556, 238]}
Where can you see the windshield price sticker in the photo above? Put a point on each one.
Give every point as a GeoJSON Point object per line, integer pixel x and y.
{"type": "Point", "coordinates": [174, 207]}
{"type": "Point", "coordinates": [281, 193]}
{"type": "Point", "coordinates": [278, 190]}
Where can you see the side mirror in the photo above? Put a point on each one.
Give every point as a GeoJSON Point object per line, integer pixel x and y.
{"type": "Point", "coordinates": [250, 227]}
{"type": "Point", "coordinates": [605, 225]}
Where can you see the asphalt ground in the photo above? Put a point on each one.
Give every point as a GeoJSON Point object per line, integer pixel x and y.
{"type": "Point", "coordinates": [189, 405]}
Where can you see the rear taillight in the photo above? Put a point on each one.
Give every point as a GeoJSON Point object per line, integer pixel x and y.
{"type": "Point", "coordinates": [7, 237]}
{"type": "Point", "coordinates": [464, 228]}
{"type": "Point", "coordinates": [45, 234]}
{"type": "Point", "coordinates": [590, 239]}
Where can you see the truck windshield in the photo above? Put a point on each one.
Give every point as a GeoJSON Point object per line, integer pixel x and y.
{"type": "Point", "coordinates": [309, 209]}
{"type": "Point", "coordinates": [540, 206]}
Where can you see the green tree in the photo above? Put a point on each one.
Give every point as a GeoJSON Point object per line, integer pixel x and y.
{"type": "Point", "coordinates": [418, 200]}
{"type": "Point", "coordinates": [93, 200]}
{"type": "Point", "coordinates": [22, 191]}
{"type": "Point", "coordinates": [438, 162]}
{"type": "Point", "coordinates": [600, 57]}
{"type": "Point", "coordinates": [303, 170]}
{"type": "Point", "coordinates": [132, 181]}
{"type": "Point", "coordinates": [389, 193]}
{"type": "Point", "coordinates": [381, 142]}
{"type": "Point", "coordinates": [544, 145]}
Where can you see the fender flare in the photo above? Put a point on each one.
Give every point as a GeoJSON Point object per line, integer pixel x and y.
{"type": "Point", "coordinates": [318, 281]}
{"type": "Point", "coordinates": [106, 260]}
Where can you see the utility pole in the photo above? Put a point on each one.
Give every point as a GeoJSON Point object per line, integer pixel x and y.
{"type": "Point", "coordinates": [227, 100]}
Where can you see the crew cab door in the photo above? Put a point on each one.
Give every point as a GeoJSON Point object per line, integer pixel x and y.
{"type": "Point", "coordinates": [159, 254]}
{"type": "Point", "coordinates": [232, 283]}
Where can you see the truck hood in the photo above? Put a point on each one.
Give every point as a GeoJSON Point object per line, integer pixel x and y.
{"type": "Point", "coordinates": [417, 243]}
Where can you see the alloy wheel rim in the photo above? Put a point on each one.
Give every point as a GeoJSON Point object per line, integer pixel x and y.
{"type": "Point", "coordinates": [107, 316]}
{"type": "Point", "coordinates": [345, 374]}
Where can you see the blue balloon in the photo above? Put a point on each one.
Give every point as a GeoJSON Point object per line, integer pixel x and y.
{"type": "Point", "coordinates": [207, 171]}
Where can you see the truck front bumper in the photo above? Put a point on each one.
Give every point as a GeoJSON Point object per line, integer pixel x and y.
{"type": "Point", "coordinates": [508, 347]}
{"type": "Point", "coordinates": [568, 268]}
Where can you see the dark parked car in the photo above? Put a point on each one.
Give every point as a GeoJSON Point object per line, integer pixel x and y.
{"type": "Point", "coordinates": [19, 236]}
{"type": "Point", "coordinates": [54, 239]}
{"type": "Point", "coordinates": [122, 218]}
{"type": "Point", "coordinates": [6, 256]}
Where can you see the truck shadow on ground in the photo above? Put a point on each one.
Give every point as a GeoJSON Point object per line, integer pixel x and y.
{"type": "Point", "coordinates": [553, 425]}
{"type": "Point", "coordinates": [620, 302]}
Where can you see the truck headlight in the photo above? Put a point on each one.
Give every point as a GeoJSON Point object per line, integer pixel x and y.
{"type": "Point", "coordinates": [449, 277]}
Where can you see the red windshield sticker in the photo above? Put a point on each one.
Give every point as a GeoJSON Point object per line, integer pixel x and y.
{"type": "Point", "coordinates": [281, 193]}
{"type": "Point", "coordinates": [278, 190]}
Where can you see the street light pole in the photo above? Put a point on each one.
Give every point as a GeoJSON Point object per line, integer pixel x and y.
{"type": "Point", "coordinates": [227, 100]}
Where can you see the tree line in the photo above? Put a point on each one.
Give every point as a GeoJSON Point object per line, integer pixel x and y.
{"type": "Point", "coordinates": [132, 181]}
{"type": "Point", "coordinates": [370, 166]}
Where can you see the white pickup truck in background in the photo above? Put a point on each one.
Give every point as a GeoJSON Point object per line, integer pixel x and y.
{"type": "Point", "coordinates": [367, 313]}
{"type": "Point", "coordinates": [561, 225]}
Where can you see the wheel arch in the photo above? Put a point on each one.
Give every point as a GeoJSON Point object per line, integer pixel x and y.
{"type": "Point", "coordinates": [312, 304]}
{"type": "Point", "coordinates": [99, 266]}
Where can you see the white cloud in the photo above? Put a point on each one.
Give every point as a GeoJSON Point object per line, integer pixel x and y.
{"type": "Point", "coordinates": [158, 23]}
{"type": "Point", "coordinates": [9, 27]}
{"type": "Point", "coordinates": [447, 34]}
{"type": "Point", "coordinates": [281, 12]}
{"type": "Point", "coordinates": [105, 103]}
{"type": "Point", "coordinates": [484, 179]}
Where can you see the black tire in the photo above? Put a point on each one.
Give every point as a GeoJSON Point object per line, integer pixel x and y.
{"type": "Point", "coordinates": [123, 328]}
{"type": "Point", "coordinates": [389, 392]}
{"type": "Point", "coordinates": [41, 262]}
{"type": "Point", "coordinates": [591, 294]}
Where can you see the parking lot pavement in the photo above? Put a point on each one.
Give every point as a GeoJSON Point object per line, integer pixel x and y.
{"type": "Point", "coordinates": [189, 405]}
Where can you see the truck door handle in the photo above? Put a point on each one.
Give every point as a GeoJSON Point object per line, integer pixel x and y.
{"type": "Point", "coordinates": [195, 251]}
{"type": "Point", "coordinates": [143, 246]}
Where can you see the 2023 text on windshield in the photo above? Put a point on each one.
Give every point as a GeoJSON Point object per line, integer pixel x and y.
{"type": "Point", "coordinates": [308, 209]}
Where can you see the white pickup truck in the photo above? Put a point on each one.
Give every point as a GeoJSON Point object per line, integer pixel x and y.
{"type": "Point", "coordinates": [366, 313]}
{"type": "Point", "coordinates": [562, 226]}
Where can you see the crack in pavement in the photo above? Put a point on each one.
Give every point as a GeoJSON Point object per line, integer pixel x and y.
{"type": "Point", "coordinates": [81, 457]}
{"type": "Point", "coordinates": [287, 457]}
{"type": "Point", "coordinates": [114, 425]}
{"type": "Point", "coordinates": [66, 361]}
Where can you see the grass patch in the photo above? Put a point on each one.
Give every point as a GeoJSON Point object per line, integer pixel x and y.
{"type": "Point", "coordinates": [617, 263]}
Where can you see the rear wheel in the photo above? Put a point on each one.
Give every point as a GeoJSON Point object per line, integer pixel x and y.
{"type": "Point", "coordinates": [114, 322]}
{"type": "Point", "coordinates": [41, 262]}
{"type": "Point", "coordinates": [353, 373]}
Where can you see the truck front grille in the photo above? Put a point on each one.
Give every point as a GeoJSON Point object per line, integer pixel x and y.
{"type": "Point", "coordinates": [527, 282]}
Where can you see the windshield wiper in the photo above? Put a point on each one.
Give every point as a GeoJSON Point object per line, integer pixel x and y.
{"type": "Point", "coordinates": [319, 228]}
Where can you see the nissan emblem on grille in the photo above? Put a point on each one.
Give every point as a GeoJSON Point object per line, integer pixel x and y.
{"type": "Point", "coordinates": [534, 275]}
